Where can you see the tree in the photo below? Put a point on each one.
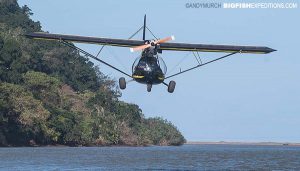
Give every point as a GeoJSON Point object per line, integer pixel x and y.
{"type": "Point", "coordinates": [26, 10]}
{"type": "Point", "coordinates": [23, 115]}
{"type": "Point", "coordinates": [50, 94]}
{"type": "Point", "coordinates": [43, 87]}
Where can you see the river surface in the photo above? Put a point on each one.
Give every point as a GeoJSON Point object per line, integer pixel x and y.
{"type": "Point", "coordinates": [186, 157]}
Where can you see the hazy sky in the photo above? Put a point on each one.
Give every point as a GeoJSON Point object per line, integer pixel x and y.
{"type": "Point", "coordinates": [246, 97]}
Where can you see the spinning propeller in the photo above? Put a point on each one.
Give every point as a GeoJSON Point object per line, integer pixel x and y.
{"type": "Point", "coordinates": [152, 43]}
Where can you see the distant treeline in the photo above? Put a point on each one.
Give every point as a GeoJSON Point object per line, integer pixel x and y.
{"type": "Point", "coordinates": [50, 94]}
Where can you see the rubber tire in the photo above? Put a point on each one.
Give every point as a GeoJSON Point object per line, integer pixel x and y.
{"type": "Point", "coordinates": [171, 86]}
{"type": "Point", "coordinates": [122, 83]}
{"type": "Point", "coordinates": [149, 87]}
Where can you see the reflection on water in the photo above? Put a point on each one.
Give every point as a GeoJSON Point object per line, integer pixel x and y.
{"type": "Point", "coordinates": [186, 157]}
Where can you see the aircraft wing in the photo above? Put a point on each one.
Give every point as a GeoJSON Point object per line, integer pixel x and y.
{"type": "Point", "coordinates": [214, 48]}
{"type": "Point", "coordinates": [163, 46]}
{"type": "Point", "coordinates": [84, 39]}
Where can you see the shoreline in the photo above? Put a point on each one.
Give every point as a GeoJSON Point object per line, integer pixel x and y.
{"type": "Point", "coordinates": [242, 143]}
{"type": "Point", "coordinates": [187, 143]}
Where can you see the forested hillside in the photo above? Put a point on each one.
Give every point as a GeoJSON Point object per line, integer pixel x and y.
{"type": "Point", "coordinates": [50, 94]}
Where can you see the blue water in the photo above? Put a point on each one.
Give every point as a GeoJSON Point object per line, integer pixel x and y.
{"type": "Point", "coordinates": [186, 157]}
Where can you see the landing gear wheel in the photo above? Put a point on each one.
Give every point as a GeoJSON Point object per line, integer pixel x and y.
{"type": "Point", "coordinates": [171, 86]}
{"type": "Point", "coordinates": [149, 87]}
{"type": "Point", "coordinates": [122, 83]}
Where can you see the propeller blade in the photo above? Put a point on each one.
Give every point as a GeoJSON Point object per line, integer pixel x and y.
{"type": "Point", "coordinates": [137, 48]}
{"type": "Point", "coordinates": [141, 47]}
{"type": "Point", "coordinates": [165, 40]}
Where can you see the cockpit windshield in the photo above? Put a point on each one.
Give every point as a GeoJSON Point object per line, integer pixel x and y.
{"type": "Point", "coordinates": [148, 63]}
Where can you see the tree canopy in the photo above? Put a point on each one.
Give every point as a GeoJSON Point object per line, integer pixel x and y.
{"type": "Point", "coordinates": [50, 94]}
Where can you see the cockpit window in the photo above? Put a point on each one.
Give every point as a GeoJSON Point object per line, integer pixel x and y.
{"type": "Point", "coordinates": [149, 63]}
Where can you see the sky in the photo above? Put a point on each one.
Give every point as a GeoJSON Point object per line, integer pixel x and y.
{"type": "Point", "coordinates": [246, 97]}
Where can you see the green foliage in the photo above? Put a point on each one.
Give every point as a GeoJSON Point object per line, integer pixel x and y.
{"type": "Point", "coordinates": [50, 94]}
{"type": "Point", "coordinates": [15, 16]}
{"type": "Point", "coordinates": [23, 115]}
{"type": "Point", "coordinates": [74, 129]}
{"type": "Point", "coordinates": [163, 132]}
{"type": "Point", "coordinates": [43, 86]}
{"type": "Point", "coordinates": [10, 61]}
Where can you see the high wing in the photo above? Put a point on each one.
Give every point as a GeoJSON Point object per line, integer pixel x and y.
{"type": "Point", "coordinates": [214, 48]}
{"type": "Point", "coordinates": [162, 46]}
{"type": "Point", "coordinates": [85, 39]}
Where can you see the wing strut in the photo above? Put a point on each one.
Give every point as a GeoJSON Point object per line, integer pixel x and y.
{"type": "Point", "coordinates": [92, 56]}
{"type": "Point", "coordinates": [128, 39]}
{"type": "Point", "coordinates": [199, 65]}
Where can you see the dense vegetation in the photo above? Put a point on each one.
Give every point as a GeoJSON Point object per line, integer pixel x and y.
{"type": "Point", "coordinates": [50, 94]}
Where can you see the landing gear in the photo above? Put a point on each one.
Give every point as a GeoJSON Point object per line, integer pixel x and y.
{"type": "Point", "coordinates": [149, 87]}
{"type": "Point", "coordinates": [171, 86]}
{"type": "Point", "coordinates": [122, 83]}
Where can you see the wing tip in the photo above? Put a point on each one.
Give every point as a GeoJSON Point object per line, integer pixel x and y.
{"type": "Point", "coordinates": [269, 50]}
